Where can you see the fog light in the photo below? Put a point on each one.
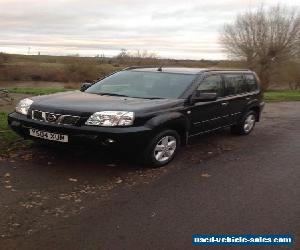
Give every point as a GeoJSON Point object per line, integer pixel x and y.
{"type": "Point", "coordinates": [15, 124]}
{"type": "Point", "coordinates": [109, 141]}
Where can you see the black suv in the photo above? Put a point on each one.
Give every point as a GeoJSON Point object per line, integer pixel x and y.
{"type": "Point", "coordinates": [154, 110]}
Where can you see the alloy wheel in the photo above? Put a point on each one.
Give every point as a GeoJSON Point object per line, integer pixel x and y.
{"type": "Point", "coordinates": [165, 148]}
{"type": "Point", "coordinates": [249, 123]}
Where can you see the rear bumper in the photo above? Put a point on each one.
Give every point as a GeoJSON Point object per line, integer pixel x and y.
{"type": "Point", "coordinates": [121, 136]}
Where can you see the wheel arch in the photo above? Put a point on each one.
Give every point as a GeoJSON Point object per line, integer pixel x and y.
{"type": "Point", "coordinates": [253, 106]}
{"type": "Point", "coordinates": [174, 121]}
{"type": "Point", "coordinates": [256, 109]}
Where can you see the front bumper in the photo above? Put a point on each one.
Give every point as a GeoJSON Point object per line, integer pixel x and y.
{"type": "Point", "coordinates": [119, 136]}
{"type": "Point", "coordinates": [261, 106]}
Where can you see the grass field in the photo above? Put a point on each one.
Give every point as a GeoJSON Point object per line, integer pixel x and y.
{"type": "Point", "coordinates": [7, 137]}
{"type": "Point", "coordinates": [54, 68]}
{"type": "Point", "coordinates": [282, 95]}
{"type": "Point", "coordinates": [76, 69]}
{"type": "Point", "coordinates": [37, 91]}
{"type": "Point", "coordinates": [79, 69]}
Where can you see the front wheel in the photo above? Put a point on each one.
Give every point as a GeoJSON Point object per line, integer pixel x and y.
{"type": "Point", "coordinates": [162, 148]}
{"type": "Point", "coordinates": [246, 125]}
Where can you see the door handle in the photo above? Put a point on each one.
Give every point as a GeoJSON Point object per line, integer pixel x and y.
{"type": "Point", "coordinates": [224, 103]}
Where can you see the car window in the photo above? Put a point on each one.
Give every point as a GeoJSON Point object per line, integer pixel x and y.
{"type": "Point", "coordinates": [234, 84]}
{"type": "Point", "coordinates": [210, 84]}
{"type": "Point", "coordinates": [250, 82]}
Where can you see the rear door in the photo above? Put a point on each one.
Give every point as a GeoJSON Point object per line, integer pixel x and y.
{"type": "Point", "coordinates": [208, 115]}
{"type": "Point", "coordinates": [236, 96]}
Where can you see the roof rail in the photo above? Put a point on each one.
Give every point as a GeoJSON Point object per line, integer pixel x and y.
{"type": "Point", "coordinates": [139, 67]}
{"type": "Point", "coordinates": [226, 69]}
{"type": "Point", "coordinates": [131, 67]}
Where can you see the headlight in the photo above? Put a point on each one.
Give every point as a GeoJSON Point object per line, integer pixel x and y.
{"type": "Point", "coordinates": [23, 106]}
{"type": "Point", "coordinates": [111, 118]}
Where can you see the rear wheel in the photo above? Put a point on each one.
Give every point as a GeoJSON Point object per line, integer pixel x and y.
{"type": "Point", "coordinates": [245, 125]}
{"type": "Point", "coordinates": [162, 148]}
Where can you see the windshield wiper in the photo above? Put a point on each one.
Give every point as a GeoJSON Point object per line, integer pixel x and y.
{"type": "Point", "coordinates": [113, 94]}
{"type": "Point", "coordinates": [150, 97]}
{"type": "Point", "coordinates": [141, 97]}
{"type": "Point", "coordinates": [154, 97]}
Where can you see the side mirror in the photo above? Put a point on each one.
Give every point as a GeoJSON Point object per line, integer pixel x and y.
{"type": "Point", "coordinates": [204, 97]}
{"type": "Point", "coordinates": [85, 86]}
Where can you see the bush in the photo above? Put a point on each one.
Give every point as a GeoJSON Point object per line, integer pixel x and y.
{"type": "Point", "coordinates": [4, 58]}
{"type": "Point", "coordinates": [55, 72]}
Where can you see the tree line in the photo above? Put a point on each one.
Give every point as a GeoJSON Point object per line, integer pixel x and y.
{"type": "Point", "coordinates": [265, 39]}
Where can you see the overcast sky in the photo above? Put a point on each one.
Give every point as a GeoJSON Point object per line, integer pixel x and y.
{"type": "Point", "coordinates": [170, 28]}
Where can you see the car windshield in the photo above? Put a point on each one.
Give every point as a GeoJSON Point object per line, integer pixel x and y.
{"type": "Point", "coordinates": [143, 84]}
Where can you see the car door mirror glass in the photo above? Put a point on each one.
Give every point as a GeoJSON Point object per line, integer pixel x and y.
{"type": "Point", "coordinates": [200, 96]}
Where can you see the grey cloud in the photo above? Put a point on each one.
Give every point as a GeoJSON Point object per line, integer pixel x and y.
{"type": "Point", "coordinates": [169, 27]}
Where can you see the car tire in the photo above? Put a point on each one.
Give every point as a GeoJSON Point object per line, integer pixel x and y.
{"type": "Point", "coordinates": [245, 125]}
{"type": "Point", "coordinates": [162, 148]}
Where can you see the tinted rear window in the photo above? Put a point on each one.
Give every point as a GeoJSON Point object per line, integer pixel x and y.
{"type": "Point", "coordinates": [234, 84]}
{"type": "Point", "coordinates": [251, 82]}
{"type": "Point", "coordinates": [239, 84]}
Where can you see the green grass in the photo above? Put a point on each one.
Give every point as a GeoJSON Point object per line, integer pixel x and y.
{"type": "Point", "coordinates": [282, 95]}
{"type": "Point", "coordinates": [37, 91]}
{"type": "Point", "coordinates": [7, 136]}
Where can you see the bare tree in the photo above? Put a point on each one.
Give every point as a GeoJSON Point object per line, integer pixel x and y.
{"type": "Point", "coordinates": [136, 54]}
{"type": "Point", "coordinates": [123, 54]}
{"type": "Point", "coordinates": [264, 38]}
{"type": "Point", "coordinates": [137, 57]}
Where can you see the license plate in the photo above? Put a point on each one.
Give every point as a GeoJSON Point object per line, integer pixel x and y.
{"type": "Point", "coordinates": [48, 135]}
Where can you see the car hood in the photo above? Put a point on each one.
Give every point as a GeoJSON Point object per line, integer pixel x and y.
{"type": "Point", "coordinates": [80, 103]}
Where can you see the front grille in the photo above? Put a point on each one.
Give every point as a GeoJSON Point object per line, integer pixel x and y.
{"type": "Point", "coordinates": [37, 115]}
{"type": "Point", "coordinates": [54, 118]}
{"type": "Point", "coordinates": [69, 120]}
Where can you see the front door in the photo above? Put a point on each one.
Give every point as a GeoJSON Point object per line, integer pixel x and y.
{"type": "Point", "coordinates": [206, 116]}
